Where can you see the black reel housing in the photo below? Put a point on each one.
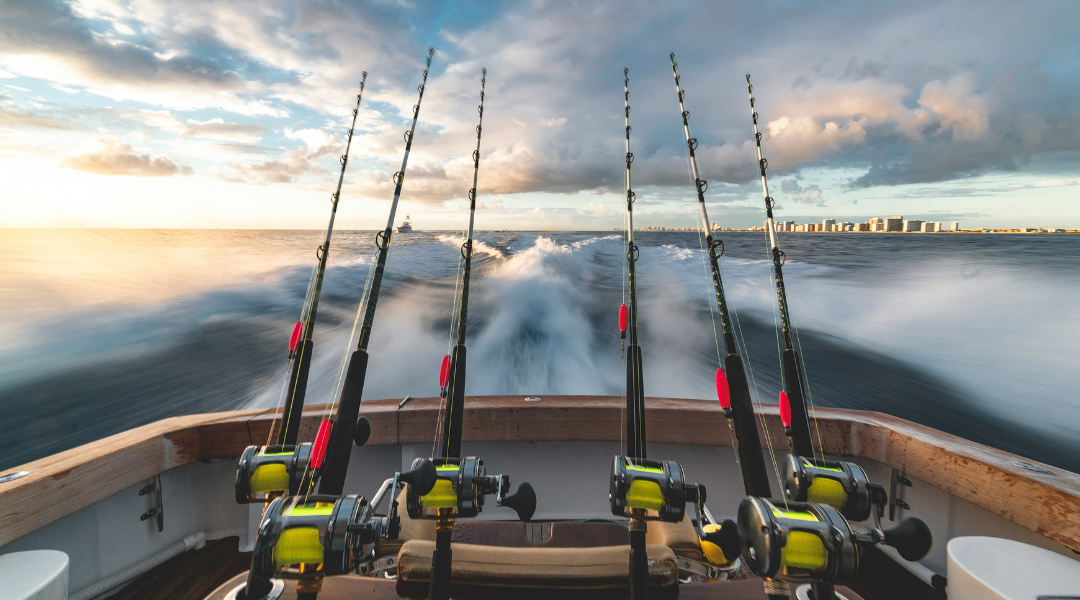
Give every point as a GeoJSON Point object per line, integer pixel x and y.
{"type": "Point", "coordinates": [268, 471]}
{"type": "Point", "coordinates": [461, 485]}
{"type": "Point", "coordinates": [323, 533]}
{"type": "Point", "coordinates": [811, 542]}
{"type": "Point", "coordinates": [841, 485]}
{"type": "Point", "coordinates": [639, 485]}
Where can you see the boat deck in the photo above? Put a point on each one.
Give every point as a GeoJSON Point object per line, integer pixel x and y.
{"type": "Point", "coordinates": [351, 588]}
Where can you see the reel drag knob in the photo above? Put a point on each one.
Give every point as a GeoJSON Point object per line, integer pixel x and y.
{"type": "Point", "coordinates": [911, 538]}
{"type": "Point", "coordinates": [523, 501]}
{"type": "Point", "coordinates": [422, 477]}
{"type": "Point", "coordinates": [362, 432]}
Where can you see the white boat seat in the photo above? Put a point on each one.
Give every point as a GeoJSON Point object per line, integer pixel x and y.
{"type": "Point", "coordinates": [987, 568]}
{"type": "Point", "coordinates": [34, 575]}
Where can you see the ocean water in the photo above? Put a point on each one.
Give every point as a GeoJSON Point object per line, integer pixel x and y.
{"type": "Point", "coordinates": [105, 330]}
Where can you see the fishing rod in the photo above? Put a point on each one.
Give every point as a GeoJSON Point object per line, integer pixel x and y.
{"type": "Point", "coordinates": [643, 490]}
{"type": "Point", "coordinates": [302, 347]}
{"type": "Point", "coordinates": [797, 421]}
{"type": "Point", "coordinates": [635, 393]}
{"type": "Point", "coordinates": [336, 463]}
{"type": "Point", "coordinates": [733, 389]}
{"type": "Point", "coordinates": [635, 385]}
{"type": "Point", "coordinates": [452, 378]}
{"type": "Point", "coordinates": [463, 481]}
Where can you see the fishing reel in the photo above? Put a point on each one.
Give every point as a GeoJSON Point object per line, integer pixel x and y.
{"type": "Point", "coordinates": [310, 537]}
{"type": "Point", "coordinates": [461, 486]}
{"type": "Point", "coordinates": [639, 486]}
{"type": "Point", "coordinates": [265, 472]}
{"type": "Point", "coordinates": [841, 485]}
{"type": "Point", "coordinates": [811, 542]}
{"type": "Point", "coordinates": [268, 471]}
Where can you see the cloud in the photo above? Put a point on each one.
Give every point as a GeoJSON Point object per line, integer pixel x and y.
{"type": "Point", "coordinates": [796, 193]}
{"type": "Point", "coordinates": [290, 167]}
{"type": "Point", "coordinates": [911, 106]}
{"type": "Point", "coordinates": [118, 158]}
{"type": "Point", "coordinates": [319, 141]}
{"type": "Point", "coordinates": [11, 118]}
{"type": "Point", "coordinates": [957, 106]}
{"type": "Point", "coordinates": [218, 129]}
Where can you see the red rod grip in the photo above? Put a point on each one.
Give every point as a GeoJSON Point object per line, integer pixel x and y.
{"type": "Point", "coordinates": [785, 410]}
{"type": "Point", "coordinates": [723, 392]}
{"type": "Point", "coordinates": [318, 450]}
{"type": "Point", "coordinates": [444, 372]}
{"type": "Point", "coordinates": [294, 339]}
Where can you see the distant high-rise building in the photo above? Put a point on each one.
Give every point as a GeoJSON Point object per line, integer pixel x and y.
{"type": "Point", "coordinates": [828, 225]}
{"type": "Point", "coordinates": [929, 227]}
{"type": "Point", "coordinates": [912, 225]}
{"type": "Point", "coordinates": [955, 226]}
{"type": "Point", "coordinates": [789, 225]}
{"type": "Point", "coordinates": [895, 223]}
{"type": "Point", "coordinates": [862, 227]}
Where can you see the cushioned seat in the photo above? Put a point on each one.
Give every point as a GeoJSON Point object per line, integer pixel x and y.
{"type": "Point", "coordinates": [411, 529]}
{"type": "Point", "coordinates": [600, 572]}
{"type": "Point", "coordinates": [681, 537]}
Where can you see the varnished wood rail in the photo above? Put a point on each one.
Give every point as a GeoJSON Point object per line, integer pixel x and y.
{"type": "Point", "coordinates": [1047, 503]}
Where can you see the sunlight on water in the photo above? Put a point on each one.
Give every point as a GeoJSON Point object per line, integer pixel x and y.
{"type": "Point", "coordinates": [110, 329]}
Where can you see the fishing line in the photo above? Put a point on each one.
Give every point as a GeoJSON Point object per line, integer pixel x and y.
{"type": "Point", "coordinates": [335, 393]}
{"type": "Point", "coordinates": [809, 396]}
{"type": "Point", "coordinates": [732, 387]}
{"type": "Point", "coordinates": [793, 406]}
{"type": "Point", "coordinates": [452, 372]}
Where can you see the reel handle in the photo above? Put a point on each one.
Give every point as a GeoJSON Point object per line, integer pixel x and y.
{"type": "Point", "coordinates": [523, 501]}
{"type": "Point", "coordinates": [422, 477]}
{"type": "Point", "coordinates": [727, 539]}
{"type": "Point", "coordinates": [911, 538]}
{"type": "Point", "coordinates": [362, 432]}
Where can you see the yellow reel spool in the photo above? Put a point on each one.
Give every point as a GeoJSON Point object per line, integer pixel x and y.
{"type": "Point", "coordinates": [645, 494]}
{"type": "Point", "coordinates": [805, 551]}
{"type": "Point", "coordinates": [298, 545]}
{"type": "Point", "coordinates": [441, 496]}
{"type": "Point", "coordinates": [827, 491]}
{"type": "Point", "coordinates": [273, 477]}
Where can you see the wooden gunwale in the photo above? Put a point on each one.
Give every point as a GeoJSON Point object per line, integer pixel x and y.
{"type": "Point", "coordinates": [61, 484]}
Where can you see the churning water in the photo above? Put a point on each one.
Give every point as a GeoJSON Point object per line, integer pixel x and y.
{"type": "Point", "coordinates": [110, 329]}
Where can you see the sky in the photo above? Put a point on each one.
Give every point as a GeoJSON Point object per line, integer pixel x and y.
{"type": "Point", "coordinates": [215, 114]}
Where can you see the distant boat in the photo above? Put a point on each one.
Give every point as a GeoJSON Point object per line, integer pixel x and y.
{"type": "Point", "coordinates": [405, 227]}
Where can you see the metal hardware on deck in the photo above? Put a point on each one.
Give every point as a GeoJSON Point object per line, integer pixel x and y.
{"type": "Point", "coordinates": [382, 565]}
{"type": "Point", "coordinates": [1029, 467]}
{"type": "Point", "coordinates": [707, 571]}
{"type": "Point", "coordinates": [158, 510]}
{"type": "Point", "coordinates": [13, 476]}
{"type": "Point", "coordinates": [899, 482]}
{"type": "Point", "coordinates": [278, 586]}
{"type": "Point", "coordinates": [532, 399]}
{"type": "Point", "coordinates": [403, 402]}
{"type": "Point", "coordinates": [538, 533]}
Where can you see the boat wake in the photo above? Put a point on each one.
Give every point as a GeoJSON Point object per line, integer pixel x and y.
{"type": "Point", "coordinates": [908, 339]}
